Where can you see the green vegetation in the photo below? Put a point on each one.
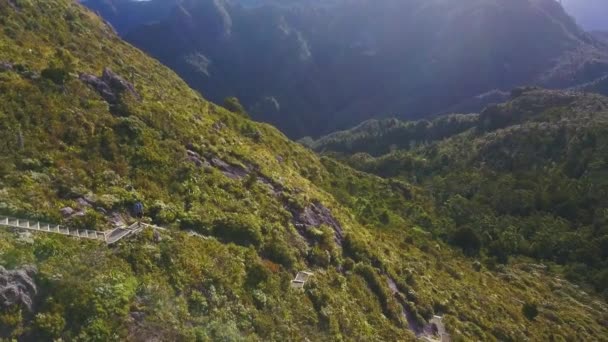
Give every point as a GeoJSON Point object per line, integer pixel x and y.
{"type": "Point", "coordinates": [527, 178]}
{"type": "Point", "coordinates": [234, 105]}
{"type": "Point", "coordinates": [245, 212]}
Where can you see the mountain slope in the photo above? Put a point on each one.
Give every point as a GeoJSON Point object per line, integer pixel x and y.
{"type": "Point", "coordinates": [314, 69]}
{"type": "Point", "coordinates": [524, 178]}
{"type": "Point", "coordinates": [89, 122]}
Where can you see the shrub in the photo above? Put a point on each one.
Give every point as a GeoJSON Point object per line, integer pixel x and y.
{"type": "Point", "coordinates": [234, 105]}
{"type": "Point", "coordinates": [278, 251]}
{"type": "Point", "coordinates": [530, 310]}
{"type": "Point", "coordinates": [195, 223]}
{"type": "Point", "coordinates": [467, 239]}
{"type": "Point", "coordinates": [238, 230]}
{"type": "Point", "coordinates": [319, 257]}
{"type": "Point", "coordinates": [355, 249]}
{"type": "Point", "coordinates": [91, 220]}
{"type": "Point", "coordinates": [257, 273]}
{"type": "Point", "coordinates": [163, 213]}
{"type": "Point", "coordinates": [56, 75]}
{"type": "Point", "coordinates": [49, 326]}
{"type": "Point", "coordinates": [375, 283]}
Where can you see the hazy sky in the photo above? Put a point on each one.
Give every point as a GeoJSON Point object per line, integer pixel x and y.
{"type": "Point", "coordinates": [590, 14]}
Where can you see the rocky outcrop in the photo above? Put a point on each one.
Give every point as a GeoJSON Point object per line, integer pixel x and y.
{"type": "Point", "coordinates": [314, 216]}
{"type": "Point", "coordinates": [109, 86]}
{"type": "Point", "coordinates": [196, 159]}
{"type": "Point", "coordinates": [231, 171]}
{"type": "Point", "coordinates": [67, 211]}
{"type": "Point", "coordinates": [17, 287]}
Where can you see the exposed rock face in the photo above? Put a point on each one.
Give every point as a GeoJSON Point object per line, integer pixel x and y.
{"type": "Point", "coordinates": [117, 83]}
{"type": "Point", "coordinates": [17, 287]}
{"type": "Point", "coordinates": [83, 203]}
{"type": "Point", "coordinates": [231, 171]}
{"type": "Point", "coordinates": [236, 172]}
{"type": "Point", "coordinates": [196, 158]}
{"type": "Point", "coordinates": [314, 216]}
{"type": "Point", "coordinates": [109, 86]}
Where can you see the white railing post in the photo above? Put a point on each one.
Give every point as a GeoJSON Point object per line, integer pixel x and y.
{"type": "Point", "coordinates": [59, 229]}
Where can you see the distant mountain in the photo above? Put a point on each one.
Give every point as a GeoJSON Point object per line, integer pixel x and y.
{"type": "Point", "coordinates": [590, 14]}
{"type": "Point", "coordinates": [314, 69]}
{"type": "Point", "coordinates": [125, 15]}
{"type": "Point", "coordinates": [602, 35]}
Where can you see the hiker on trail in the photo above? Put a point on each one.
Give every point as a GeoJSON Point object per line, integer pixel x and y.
{"type": "Point", "coordinates": [138, 210]}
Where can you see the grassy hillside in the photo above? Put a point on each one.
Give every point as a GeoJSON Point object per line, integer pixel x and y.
{"type": "Point", "coordinates": [89, 122]}
{"type": "Point", "coordinates": [526, 178]}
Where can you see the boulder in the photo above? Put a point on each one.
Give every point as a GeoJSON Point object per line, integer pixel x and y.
{"type": "Point", "coordinates": [17, 287]}
{"type": "Point", "coordinates": [116, 220]}
{"type": "Point", "coordinates": [231, 171]}
{"type": "Point", "coordinates": [196, 158]}
{"type": "Point", "coordinates": [157, 237]}
{"type": "Point", "coordinates": [67, 211]}
{"type": "Point", "coordinates": [83, 203]}
{"type": "Point", "coordinates": [101, 87]}
{"type": "Point", "coordinates": [117, 83]}
{"type": "Point", "coordinates": [109, 85]}
{"type": "Point", "coordinates": [314, 216]}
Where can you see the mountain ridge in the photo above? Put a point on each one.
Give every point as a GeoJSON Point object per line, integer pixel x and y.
{"type": "Point", "coordinates": [312, 70]}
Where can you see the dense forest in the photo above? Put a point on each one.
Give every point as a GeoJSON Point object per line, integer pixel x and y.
{"type": "Point", "coordinates": [527, 177]}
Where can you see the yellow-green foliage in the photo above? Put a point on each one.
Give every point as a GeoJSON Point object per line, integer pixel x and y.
{"type": "Point", "coordinates": [61, 141]}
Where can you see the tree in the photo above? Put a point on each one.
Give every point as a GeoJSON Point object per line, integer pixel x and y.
{"type": "Point", "coordinates": [530, 310]}
{"type": "Point", "coordinates": [234, 105]}
{"type": "Point", "coordinates": [467, 239]}
{"type": "Point", "coordinates": [56, 75]}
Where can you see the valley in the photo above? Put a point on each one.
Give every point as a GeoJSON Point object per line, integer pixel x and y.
{"type": "Point", "coordinates": [313, 69]}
